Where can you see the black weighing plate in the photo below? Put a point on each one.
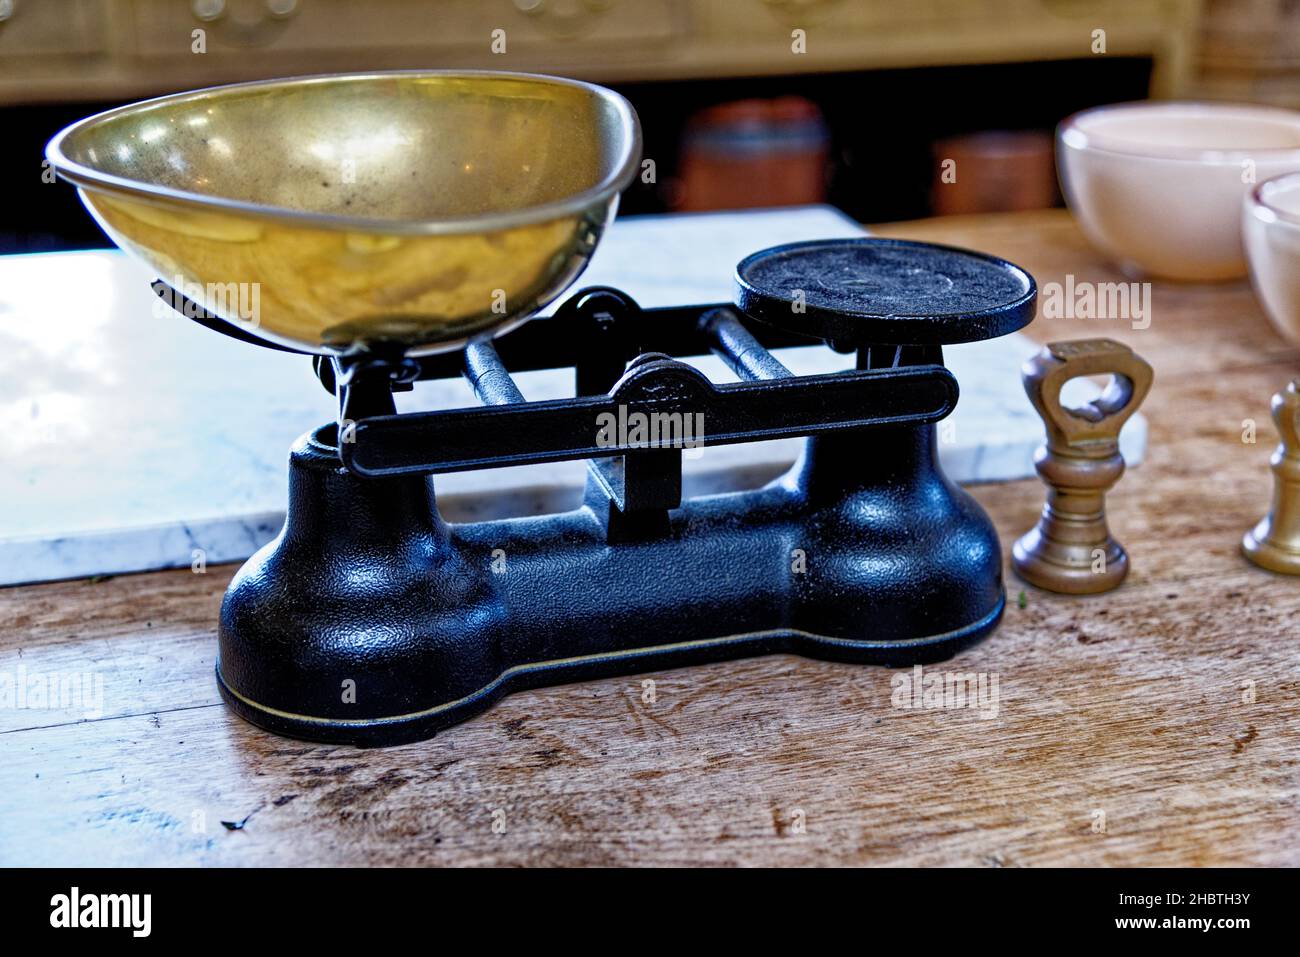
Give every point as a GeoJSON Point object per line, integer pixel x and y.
{"type": "Point", "coordinates": [889, 291]}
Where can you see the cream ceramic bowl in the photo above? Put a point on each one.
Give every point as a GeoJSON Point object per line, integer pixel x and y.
{"type": "Point", "coordinates": [1159, 186]}
{"type": "Point", "coordinates": [1270, 228]}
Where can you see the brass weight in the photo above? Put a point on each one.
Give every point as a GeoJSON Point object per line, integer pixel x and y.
{"type": "Point", "coordinates": [1071, 549]}
{"type": "Point", "coordinates": [1275, 542]}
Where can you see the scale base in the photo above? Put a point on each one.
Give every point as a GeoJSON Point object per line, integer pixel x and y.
{"type": "Point", "coordinates": [370, 621]}
{"type": "Point", "coordinates": [402, 729]}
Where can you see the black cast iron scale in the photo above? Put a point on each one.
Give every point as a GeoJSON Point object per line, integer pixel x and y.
{"type": "Point", "coordinates": [370, 620]}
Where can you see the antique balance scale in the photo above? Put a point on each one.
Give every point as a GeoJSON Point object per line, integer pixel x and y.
{"type": "Point", "coordinates": [394, 224]}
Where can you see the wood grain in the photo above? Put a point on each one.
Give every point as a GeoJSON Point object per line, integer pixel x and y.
{"type": "Point", "coordinates": [1169, 709]}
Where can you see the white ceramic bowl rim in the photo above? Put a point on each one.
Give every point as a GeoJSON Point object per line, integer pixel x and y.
{"type": "Point", "coordinates": [1258, 196]}
{"type": "Point", "coordinates": [1071, 133]}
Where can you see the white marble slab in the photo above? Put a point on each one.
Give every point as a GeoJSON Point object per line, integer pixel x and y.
{"type": "Point", "coordinates": [135, 440]}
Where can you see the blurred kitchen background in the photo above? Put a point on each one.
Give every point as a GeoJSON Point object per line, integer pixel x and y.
{"type": "Point", "coordinates": [734, 113]}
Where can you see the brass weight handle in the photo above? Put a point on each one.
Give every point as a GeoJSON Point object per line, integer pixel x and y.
{"type": "Point", "coordinates": [1091, 429]}
{"type": "Point", "coordinates": [1071, 550]}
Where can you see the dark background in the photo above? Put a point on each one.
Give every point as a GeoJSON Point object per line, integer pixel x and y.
{"type": "Point", "coordinates": [882, 124]}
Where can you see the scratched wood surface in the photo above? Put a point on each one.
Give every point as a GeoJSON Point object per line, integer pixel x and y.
{"type": "Point", "coordinates": [1156, 725]}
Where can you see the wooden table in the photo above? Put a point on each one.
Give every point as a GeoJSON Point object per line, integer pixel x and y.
{"type": "Point", "coordinates": [1156, 725]}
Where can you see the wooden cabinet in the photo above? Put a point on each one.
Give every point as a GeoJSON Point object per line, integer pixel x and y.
{"type": "Point", "coordinates": [51, 29]}
{"type": "Point", "coordinates": [459, 29]}
{"type": "Point", "coordinates": [114, 49]}
{"type": "Point", "coordinates": [52, 40]}
{"type": "Point", "coordinates": [1250, 50]}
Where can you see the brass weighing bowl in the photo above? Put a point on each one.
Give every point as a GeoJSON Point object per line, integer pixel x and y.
{"type": "Point", "coordinates": [335, 213]}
